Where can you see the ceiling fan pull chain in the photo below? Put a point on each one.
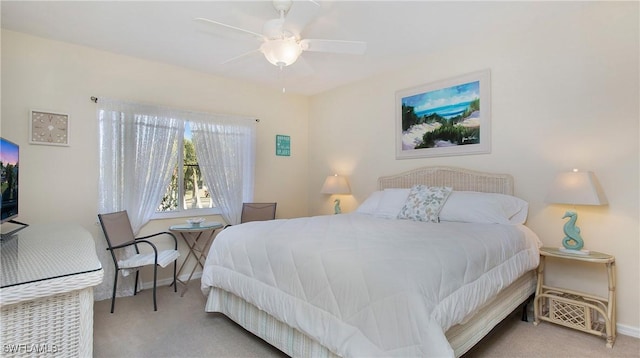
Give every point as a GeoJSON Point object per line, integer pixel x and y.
{"type": "Point", "coordinates": [281, 77]}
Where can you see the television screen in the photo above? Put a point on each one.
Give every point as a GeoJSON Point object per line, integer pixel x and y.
{"type": "Point", "coordinates": [9, 153]}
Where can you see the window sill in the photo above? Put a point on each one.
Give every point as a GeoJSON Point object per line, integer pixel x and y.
{"type": "Point", "coordinates": [186, 213]}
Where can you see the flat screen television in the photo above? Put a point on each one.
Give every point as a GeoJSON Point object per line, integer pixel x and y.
{"type": "Point", "coordinates": [9, 168]}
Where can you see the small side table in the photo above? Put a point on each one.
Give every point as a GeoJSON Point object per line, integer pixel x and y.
{"type": "Point", "coordinates": [198, 239]}
{"type": "Point", "coordinates": [577, 310]}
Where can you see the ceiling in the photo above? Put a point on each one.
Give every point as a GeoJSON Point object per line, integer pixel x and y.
{"type": "Point", "coordinates": [397, 33]}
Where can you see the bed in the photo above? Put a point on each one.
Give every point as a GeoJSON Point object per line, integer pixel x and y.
{"type": "Point", "coordinates": [369, 284]}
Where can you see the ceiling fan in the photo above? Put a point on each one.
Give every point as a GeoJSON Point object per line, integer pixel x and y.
{"type": "Point", "coordinates": [282, 44]}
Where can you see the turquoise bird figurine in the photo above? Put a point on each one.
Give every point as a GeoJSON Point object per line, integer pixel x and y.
{"type": "Point", "coordinates": [573, 239]}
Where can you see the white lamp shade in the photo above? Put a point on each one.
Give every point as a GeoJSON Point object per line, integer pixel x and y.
{"type": "Point", "coordinates": [576, 188]}
{"type": "Point", "coordinates": [335, 184]}
{"type": "Point", "coordinates": [281, 52]}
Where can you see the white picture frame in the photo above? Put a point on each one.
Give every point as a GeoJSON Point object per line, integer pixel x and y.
{"type": "Point", "coordinates": [448, 117]}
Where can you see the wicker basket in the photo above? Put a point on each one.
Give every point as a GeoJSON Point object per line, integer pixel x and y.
{"type": "Point", "coordinates": [574, 311]}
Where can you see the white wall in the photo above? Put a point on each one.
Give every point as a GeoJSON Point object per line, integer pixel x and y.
{"type": "Point", "coordinates": [61, 183]}
{"type": "Point", "coordinates": [564, 95]}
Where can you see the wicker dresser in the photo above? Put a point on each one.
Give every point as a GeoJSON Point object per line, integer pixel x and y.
{"type": "Point", "coordinates": [46, 292]}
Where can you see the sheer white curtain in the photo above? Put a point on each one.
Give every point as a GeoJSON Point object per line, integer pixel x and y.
{"type": "Point", "coordinates": [225, 148]}
{"type": "Point", "coordinates": [138, 152]}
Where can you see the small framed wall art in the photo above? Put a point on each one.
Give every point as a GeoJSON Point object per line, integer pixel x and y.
{"type": "Point", "coordinates": [48, 128]}
{"type": "Point", "coordinates": [283, 145]}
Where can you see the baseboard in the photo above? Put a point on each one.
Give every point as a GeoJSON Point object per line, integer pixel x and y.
{"type": "Point", "coordinates": [628, 330]}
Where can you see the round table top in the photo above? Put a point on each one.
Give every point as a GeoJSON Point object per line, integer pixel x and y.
{"type": "Point", "coordinates": [207, 225]}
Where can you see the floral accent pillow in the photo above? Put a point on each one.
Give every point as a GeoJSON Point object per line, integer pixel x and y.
{"type": "Point", "coordinates": [424, 203]}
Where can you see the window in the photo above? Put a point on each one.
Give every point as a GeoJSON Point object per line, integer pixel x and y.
{"type": "Point", "coordinates": [188, 190]}
{"type": "Point", "coordinates": [148, 156]}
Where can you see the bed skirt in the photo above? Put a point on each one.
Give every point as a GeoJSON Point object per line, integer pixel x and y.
{"type": "Point", "coordinates": [287, 339]}
{"type": "Point", "coordinates": [464, 336]}
{"type": "Point", "coordinates": [296, 344]}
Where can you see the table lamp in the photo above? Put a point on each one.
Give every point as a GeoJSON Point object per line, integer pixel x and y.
{"type": "Point", "coordinates": [575, 188]}
{"type": "Point", "coordinates": [335, 184]}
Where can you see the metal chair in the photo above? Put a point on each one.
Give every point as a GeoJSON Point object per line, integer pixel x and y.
{"type": "Point", "coordinates": [119, 234]}
{"type": "Point", "coordinates": [258, 212]}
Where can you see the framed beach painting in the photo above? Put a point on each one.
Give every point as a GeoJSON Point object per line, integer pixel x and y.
{"type": "Point", "coordinates": [448, 117]}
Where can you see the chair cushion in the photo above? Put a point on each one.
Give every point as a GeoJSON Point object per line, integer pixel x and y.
{"type": "Point", "coordinates": [165, 257]}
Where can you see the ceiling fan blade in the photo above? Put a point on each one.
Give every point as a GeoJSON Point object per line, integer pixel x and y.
{"type": "Point", "coordinates": [202, 19]}
{"type": "Point", "coordinates": [299, 15]}
{"type": "Point", "coordinates": [334, 46]}
{"type": "Point", "coordinates": [240, 56]}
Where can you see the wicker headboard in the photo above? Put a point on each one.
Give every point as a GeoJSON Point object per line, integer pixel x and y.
{"type": "Point", "coordinates": [457, 178]}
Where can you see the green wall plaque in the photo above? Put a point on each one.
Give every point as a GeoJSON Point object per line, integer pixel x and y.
{"type": "Point", "coordinates": [283, 145]}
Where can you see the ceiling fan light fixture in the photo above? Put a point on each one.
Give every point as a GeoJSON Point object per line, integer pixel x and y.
{"type": "Point", "coordinates": [281, 52]}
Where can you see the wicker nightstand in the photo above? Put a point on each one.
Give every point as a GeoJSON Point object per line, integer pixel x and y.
{"type": "Point", "coordinates": [581, 311]}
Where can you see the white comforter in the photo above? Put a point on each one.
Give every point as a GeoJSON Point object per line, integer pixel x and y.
{"type": "Point", "coordinates": [365, 286]}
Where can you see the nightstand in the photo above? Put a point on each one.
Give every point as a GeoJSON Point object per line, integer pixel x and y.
{"type": "Point", "coordinates": [577, 310]}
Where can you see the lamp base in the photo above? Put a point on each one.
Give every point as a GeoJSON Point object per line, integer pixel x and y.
{"type": "Point", "coordinates": [575, 252]}
{"type": "Point", "coordinates": [336, 207]}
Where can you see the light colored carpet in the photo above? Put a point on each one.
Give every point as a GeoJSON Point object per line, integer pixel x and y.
{"type": "Point", "coordinates": [181, 328]}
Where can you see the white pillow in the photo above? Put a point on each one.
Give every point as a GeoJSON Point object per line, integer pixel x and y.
{"type": "Point", "coordinates": [370, 204]}
{"type": "Point", "coordinates": [484, 208]}
{"type": "Point", "coordinates": [424, 203]}
{"type": "Point", "coordinates": [391, 201]}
